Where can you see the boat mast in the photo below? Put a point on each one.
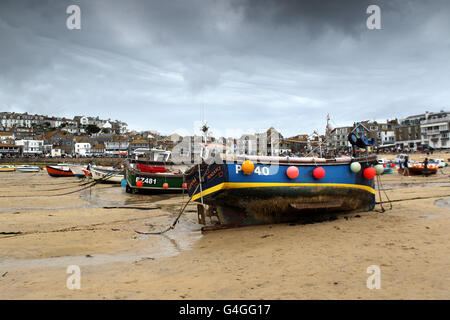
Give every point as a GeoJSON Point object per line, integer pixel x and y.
{"type": "Point", "coordinates": [205, 133]}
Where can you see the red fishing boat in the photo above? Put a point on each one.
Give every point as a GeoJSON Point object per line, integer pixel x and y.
{"type": "Point", "coordinates": [417, 169]}
{"type": "Point", "coordinates": [59, 171]}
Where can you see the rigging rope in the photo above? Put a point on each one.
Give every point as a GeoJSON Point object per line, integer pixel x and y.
{"type": "Point", "coordinates": [172, 226]}
{"type": "Point", "coordinates": [381, 188]}
{"type": "Point", "coordinates": [85, 185]}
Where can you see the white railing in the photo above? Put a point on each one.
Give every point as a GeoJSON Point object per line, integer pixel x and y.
{"type": "Point", "coordinates": [429, 121]}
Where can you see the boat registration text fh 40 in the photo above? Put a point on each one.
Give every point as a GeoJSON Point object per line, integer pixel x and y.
{"type": "Point", "coordinates": [259, 170]}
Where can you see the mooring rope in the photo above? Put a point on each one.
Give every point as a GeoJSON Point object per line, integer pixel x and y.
{"type": "Point", "coordinates": [85, 185]}
{"type": "Point", "coordinates": [381, 188]}
{"type": "Point", "coordinates": [416, 198]}
{"type": "Point", "coordinates": [172, 226]}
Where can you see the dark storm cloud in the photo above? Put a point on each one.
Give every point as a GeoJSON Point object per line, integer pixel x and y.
{"type": "Point", "coordinates": [247, 63]}
{"type": "Point", "coordinates": [312, 15]}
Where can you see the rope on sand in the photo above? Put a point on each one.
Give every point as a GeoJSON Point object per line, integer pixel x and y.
{"type": "Point", "coordinates": [135, 208]}
{"type": "Point", "coordinates": [85, 185]}
{"type": "Point", "coordinates": [172, 226]}
{"type": "Point", "coordinates": [381, 188]}
{"type": "Point", "coordinates": [416, 198]}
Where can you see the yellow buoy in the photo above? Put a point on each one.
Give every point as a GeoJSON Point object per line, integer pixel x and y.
{"type": "Point", "coordinates": [248, 167]}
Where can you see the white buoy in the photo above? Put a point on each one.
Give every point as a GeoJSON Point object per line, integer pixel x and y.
{"type": "Point", "coordinates": [355, 167]}
{"type": "Point", "coordinates": [379, 169]}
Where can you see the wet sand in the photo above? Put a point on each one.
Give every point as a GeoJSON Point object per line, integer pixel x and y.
{"type": "Point", "coordinates": [43, 232]}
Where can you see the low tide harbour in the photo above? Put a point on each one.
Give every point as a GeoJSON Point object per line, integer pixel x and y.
{"type": "Point", "coordinates": [44, 228]}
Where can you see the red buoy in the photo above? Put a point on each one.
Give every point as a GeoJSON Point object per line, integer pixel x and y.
{"type": "Point", "coordinates": [292, 172]}
{"type": "Point", "coordinates": [369, 173]}
{"type": "Point", "coordinates": [184, 185]}
{"type": "Point", "coordinates": [139, 183]}
{"type": "Point", "coordinates": [165, 185]}
{"type": "Point", "coordinates": [319, 173]}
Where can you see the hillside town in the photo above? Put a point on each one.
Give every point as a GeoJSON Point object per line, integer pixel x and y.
{"type": "Point", "coordinates": [27, 135]}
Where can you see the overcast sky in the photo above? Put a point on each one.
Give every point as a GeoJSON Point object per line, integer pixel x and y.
{"type": "Point", "coordinates": [249, 64]}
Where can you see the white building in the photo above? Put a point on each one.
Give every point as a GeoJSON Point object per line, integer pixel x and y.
{"type": "Point", "coordinates": [56, 152]}
{"type": "Point", "coordinates": [113, 148]}
{"type": "Point", "coordinates": [435, 129]}
{"type": "Point", "coordinates": [83, 148]}
{"type": "Point", "coordinates": [386, 137]}
{"type": "Point", "coordinates": [31, 147]}
{"type": "Point", "coordinates": [338, 139]}
{"type": "Point", "coordinates": [106, 125]}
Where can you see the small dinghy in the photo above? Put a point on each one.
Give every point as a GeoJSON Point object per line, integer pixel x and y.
{"type": "Point", "coordinates": [77, 170]}
{"type": "Point", "coordinates": [59, 171]}
{"type": "Point", "coordinates": [6, 168]}
{"type": "Point", "coordinates": [27, 168]}
{"type": "Point", "coordinates": [417, 169]}
{"type": "Point", "coordinates": [107, 175]}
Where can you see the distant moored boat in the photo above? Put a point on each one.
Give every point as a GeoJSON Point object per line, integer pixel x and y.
{"type": "Point", "coordinates": [158, 172]}
{"type": "Point", "coordinates": [28, 168]}
{"type": "Point", "coordinates": [6, 168]}
{"type": "Point", "coordinates": [59, 171]}
{"type": "Point", "coordinates": [106, 175]}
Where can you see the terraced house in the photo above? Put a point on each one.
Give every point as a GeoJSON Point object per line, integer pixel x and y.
{"type": "Point", "coordinates": [435, 129]}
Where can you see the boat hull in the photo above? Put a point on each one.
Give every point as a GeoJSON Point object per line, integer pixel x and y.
{"type": "Point", "coordinates": [7, 169]}
{"type": "Point", "coordinates": [77, 170]}
{"type": "Point", "coordinates": [56, 172]}
{"type": "Point", "coordinates": [268, 195]}
{"type": "Point", "coordinates": [153, 181]}
{"type": "Point", "coordinates": [87, 173]}
{"type": "Point", "coordinates": [417, 171]}
{"type": "Point", "coordinates": [28, 169]}
{"type": "Point", "coordinates": [106, 176]}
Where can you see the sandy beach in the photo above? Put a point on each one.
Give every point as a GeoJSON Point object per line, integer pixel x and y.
{"type": "Point", "coordinates": [42, 232]}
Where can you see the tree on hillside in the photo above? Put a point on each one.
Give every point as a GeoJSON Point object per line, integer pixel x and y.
{"type": "Point", "coordinates": [92, 129]}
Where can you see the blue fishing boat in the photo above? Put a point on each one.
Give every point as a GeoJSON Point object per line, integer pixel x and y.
{"type": "Point", "coordinates": [246, 190]}
{"type": "Point", "coordinates": [258, 190]}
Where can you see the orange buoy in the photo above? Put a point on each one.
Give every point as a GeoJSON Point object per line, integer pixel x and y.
{"type": "Point", "coordinates": [248, 167]}
{"type": "Point", "coordinates": [139, 183]}
{"type": "Point", "coordinates": [292, 172]}
{"type": "Point", "coordinates": [319, 173]}
{"type": "Point", "coordinates": [369, 173]}
{"type": "Point", "coordinates": [184, 185]}
{"type": "Point", "coordinates": [165, 185]}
